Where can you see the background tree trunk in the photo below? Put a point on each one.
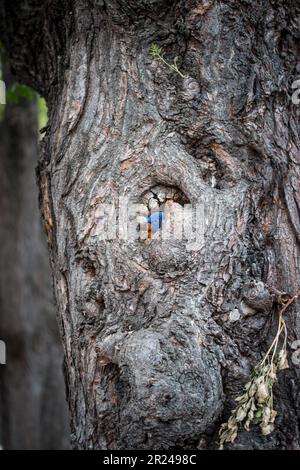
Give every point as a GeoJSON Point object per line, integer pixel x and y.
{"type": "Point", "coordinates": [153, 358]}
{"type": "Point", "coordinates": [33, 409]}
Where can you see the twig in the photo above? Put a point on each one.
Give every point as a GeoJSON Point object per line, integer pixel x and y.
{"type": "Point", "coordinates": [157, 53]}
{"type": "Point", "coordinates": [256, 403]}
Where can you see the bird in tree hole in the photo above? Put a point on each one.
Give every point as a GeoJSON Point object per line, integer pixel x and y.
{"type": "Point", "coordinates": [156, 200]}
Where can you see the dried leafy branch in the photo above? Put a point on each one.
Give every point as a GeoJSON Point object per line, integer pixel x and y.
{"type": "Point", "coordinates": [255, 406]}
{"type": "Point", "coordinates": [158, 54]}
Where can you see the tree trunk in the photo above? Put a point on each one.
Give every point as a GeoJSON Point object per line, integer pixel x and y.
{"type": "Point", "coordinates": [160, 338]}
{"type": "Point", "coordinates": [33, 409]}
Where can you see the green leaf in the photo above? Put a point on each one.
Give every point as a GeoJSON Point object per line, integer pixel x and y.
{"type": "Point", "coordinates": [17, 92]}
{"type": "Point", "coordinates": [155, 51]}
{"type": "Point", "coordinates": [43, 114]}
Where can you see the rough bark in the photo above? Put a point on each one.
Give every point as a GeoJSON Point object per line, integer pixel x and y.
{"type": "Point", "coordinates": [33, 409]}
{"type": "Point", "coordinates": [152, 358]}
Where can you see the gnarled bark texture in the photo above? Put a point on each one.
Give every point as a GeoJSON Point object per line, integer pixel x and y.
{"type": "Point", "coordinates": [152, 358]}
{"type": "Point", "coordinates": [33, 408]}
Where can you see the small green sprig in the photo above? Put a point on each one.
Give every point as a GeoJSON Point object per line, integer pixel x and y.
{"type": "Point", "coordinates": [157, 53]}
{"type": "Point", "coordinates": [255, 405]}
